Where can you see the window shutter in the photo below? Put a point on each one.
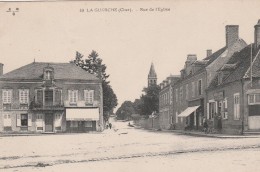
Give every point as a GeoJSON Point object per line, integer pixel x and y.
{"type": "Point", "coordinates": [39, 96]}
{"type": "Point", "coordinates": [207, 110]}
{"type": "Point", "coordinates": [29, 120]}
{"type": "Point", "coordinates": [18, 120]}
{"type": "Point", "coordinates": [57, 96]}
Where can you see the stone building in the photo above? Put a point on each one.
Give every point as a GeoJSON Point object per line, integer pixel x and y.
{"type": "Point", "coordinates": [50, 97]}
{"type": "Point", "coordinates": [166, 101]}
{"type": "Point", "coordinates": [189, 103]}
{"type": "Point", "coordinates": [233, 104]}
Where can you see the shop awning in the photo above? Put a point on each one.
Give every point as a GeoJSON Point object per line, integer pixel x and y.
{"type": "Point", "coordinates": [82, 114]}
{"type": "Point", "coordinates": [188, 111]}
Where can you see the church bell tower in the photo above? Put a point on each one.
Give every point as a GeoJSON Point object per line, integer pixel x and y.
{"type": "Point", "coordinates": [152, 77]}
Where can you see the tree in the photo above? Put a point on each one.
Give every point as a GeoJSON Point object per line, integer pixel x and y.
{"type": "Point", "coordinates": [149, 100]}
{"type": "Point", "coordinates": [125, 111]}
{"type": "Point", "coordinates": [93, 64]}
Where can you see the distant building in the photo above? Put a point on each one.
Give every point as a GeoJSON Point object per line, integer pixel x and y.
{"type": "Point", "coordinates": [189, 103]}
{"type": "Point", "coordinates": [50, 97]}
{"type": "Point", "coordinates": [166, 101]}
{"type": "Point", "coordinates": [233, 103]}
{"type": "Point", "coordinates": [152, 76]}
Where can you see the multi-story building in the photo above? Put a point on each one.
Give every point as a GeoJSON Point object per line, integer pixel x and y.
{"type": "Point", "coordinates": [233, 104]}
{"type": "Point", "coordinates": [166, 101]}
{"type": "Point", "coordinates": [50, 97]}
{"type": "Point", "coordinates": [189, 104]}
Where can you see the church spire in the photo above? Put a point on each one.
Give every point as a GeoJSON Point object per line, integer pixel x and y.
{"type": "Point", "coordinates": [152, 77]}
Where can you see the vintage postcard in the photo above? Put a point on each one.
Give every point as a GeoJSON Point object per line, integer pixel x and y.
{"type": "Point", "coordinates": [129, 86]}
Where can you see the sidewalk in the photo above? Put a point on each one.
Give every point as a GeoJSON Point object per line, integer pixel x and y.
{"type": "Point", "coordinates": [201, 134]}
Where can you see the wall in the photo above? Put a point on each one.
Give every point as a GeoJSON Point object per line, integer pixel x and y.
{"type": "Point", "coordinates": [65, 85]}
{"type": "Point", "coordinates": [230, 125]}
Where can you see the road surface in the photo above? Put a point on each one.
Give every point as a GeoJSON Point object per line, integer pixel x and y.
{"type": "Point", "coordinates": [124, 148]}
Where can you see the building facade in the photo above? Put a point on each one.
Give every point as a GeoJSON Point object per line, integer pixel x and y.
{"type": "Point", "coordinates": [189, 104]}
{"type": "Point", "coordinates": [50, 97]}
{"type": "Point", "coordinates": [234, 95]}
{"type": "Point", "coordinates": [166, 102]}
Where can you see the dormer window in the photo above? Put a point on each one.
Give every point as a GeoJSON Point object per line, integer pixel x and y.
{"type": "Point", "coordinates": [48, 73]}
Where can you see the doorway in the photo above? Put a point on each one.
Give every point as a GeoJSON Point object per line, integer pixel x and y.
{"type": "Point", "coordinates": [48, 122]}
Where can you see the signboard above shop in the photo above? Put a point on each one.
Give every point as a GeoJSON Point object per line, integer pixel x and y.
{"type": "Point", "coordinates": [219, 95]}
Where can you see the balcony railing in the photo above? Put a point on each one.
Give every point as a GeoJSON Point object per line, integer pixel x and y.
{"type": "Point", "coordinates": [46, 105]}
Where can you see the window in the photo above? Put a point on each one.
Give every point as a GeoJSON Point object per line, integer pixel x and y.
{"type": "Point", "coordinates": [89, 96]}
{"type": "Point", "coordinates": [225, 106]}
{"type": "Point", "coordinates": [181, 94]}
{"type": "Point", "coordinates": [88, 123]}
{"type": "Point", "coordinates": [193, 89]}
{"type": "Point", "coordinates": [176, 117]}
{"type": "Point", "coordinates": [58, 97]}
{"type": "Point", "coordinates": [176, 94]}
{"type": "Point", "coordinates": [39, 116]}
{"type": "Point", "coordinates": [48, 97]}
{"type": "Point", "coordinates": [254, 99]}
{"type": "Point", "coordinates": [73, 96]}
{"type": "Point", "coordinates": [187, 91]}
{"type": "Point", "coordinates": [7, 96]}
{"type": "Point", "coordinates": [24, 96]}
{"type": "Point", "coordinates": [212, 109]}
{"type": "Point", "coordinates": [7, 120]}
{"type": "Point", "coordinates": [236, 106]}
{"type": "Point", "coordinates": [39, 96]}
{"type": "Point", "coordinates": [74, 124]}
{"type": "Point", "coordinates": [200, 87]}
{"type": "Point", "coordinates": [24, 120]}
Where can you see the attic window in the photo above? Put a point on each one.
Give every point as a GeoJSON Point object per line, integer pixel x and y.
{"type": "Point", "coordinates": [48, 75]}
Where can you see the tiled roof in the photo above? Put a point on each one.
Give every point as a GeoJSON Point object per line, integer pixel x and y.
{"type": "Point", "coordinates": [208, 61]}
{"type": "Point", "coordinates": [215, 55]}
{"type": "Point", "coordinates": [34, 71]}
{"type": "Point", "coordinates": [240, 63]}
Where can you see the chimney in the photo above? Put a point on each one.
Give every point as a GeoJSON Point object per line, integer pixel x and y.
{"type": "Point", "coordinates": [1, 69]}
{"type": "Point", "coordinates": [209, 53]}
{"type": "Point", "coordinates": [190, 59]}
{"type": "Point", "coordinates": [231, 35]}
{"type": "Point", "coordinates": [257, 34]}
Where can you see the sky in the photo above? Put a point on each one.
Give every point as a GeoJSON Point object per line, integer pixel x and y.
{"type": "Point", "coordinates": [128, 42]}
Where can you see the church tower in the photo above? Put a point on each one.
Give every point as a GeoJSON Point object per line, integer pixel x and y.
{"type": "Point", "coordinates": [152, 77]}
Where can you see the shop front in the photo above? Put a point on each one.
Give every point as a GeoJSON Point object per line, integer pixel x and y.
{"type": "Point", "coordinates": [81, 119]}
{"type": "Point", "coordinates": [191, 117]}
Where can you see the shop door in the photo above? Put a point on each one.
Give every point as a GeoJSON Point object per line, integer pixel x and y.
{"type": "Point", "coordinates": [81, 126]}
{"type": "Point", "coordinates": [48, 122]}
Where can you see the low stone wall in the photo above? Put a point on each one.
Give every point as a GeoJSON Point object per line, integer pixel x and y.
{"type": "Point", "coordinates": [148, 123]}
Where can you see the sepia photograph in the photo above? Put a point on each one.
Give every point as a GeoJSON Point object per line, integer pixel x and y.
{"type": "Point", "coordinates": [123, 86]}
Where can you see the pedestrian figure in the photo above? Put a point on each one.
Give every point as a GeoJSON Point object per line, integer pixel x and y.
{"type": "Point", "coordinates": [110, 125]}
{"type": "Point", "coordinates": [219, 123]}
{"type": "Point", "coordinates": [205, 125]}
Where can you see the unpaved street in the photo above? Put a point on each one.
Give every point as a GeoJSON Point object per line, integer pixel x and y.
{"type": "Point", "coordinates": [124, 148]}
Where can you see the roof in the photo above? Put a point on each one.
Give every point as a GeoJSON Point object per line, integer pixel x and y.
{"type": "Point", "coordinates": [34, 71]}
{"type": "Point", "coordinates": [215, 55]}
{"type": "Point", "coordinates": [152, 72]}
{"type": "Point", "coordinates": [206, 61]}
{"type": "Point", "coordinates": [239, 65]}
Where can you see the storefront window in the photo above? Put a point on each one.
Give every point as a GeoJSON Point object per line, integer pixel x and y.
{"type": "Point", "coordinates": [24, 120]}
{"type": "Point", "coordinates": [74, 124]}
{"type": "Point", "coordinates": [88, 124]}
